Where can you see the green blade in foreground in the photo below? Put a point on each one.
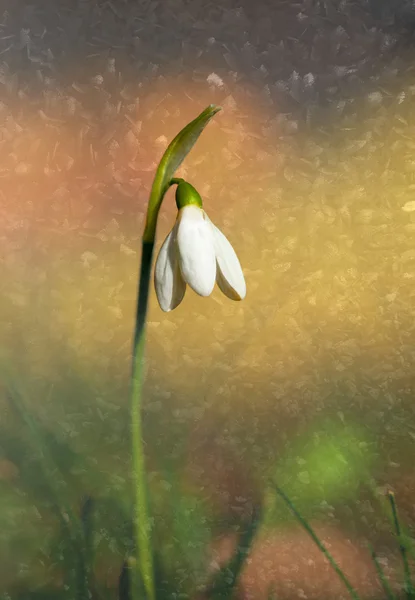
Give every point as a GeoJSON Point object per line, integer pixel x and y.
{"type": "Point", "coordinates": [173, 157]}
{"type": "Point", "coordinates": [224, 584]}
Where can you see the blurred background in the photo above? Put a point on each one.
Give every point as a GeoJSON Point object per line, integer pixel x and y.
{"type": "Point", "coordinates": [309, 170]}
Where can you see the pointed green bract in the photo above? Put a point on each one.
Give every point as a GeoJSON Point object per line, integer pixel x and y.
{"type": "Point", "coordinates": [173, 157]}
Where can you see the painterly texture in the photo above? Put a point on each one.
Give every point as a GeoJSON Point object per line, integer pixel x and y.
{"type": "Point", "coordinates": [308, 170]}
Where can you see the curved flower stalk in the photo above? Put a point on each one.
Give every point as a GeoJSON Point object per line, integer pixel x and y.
{"type": "Point", "coordinates": [195, 253]}
{"type": "Point", "coordinates": [171, 160]}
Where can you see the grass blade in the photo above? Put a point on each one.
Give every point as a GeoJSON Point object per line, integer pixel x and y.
{"type": "Point", "coordinates": [225, 581]}
{"type": "Point", "coordinates": [353, 593]}
{"type": "Point", "coordinates": [124, 582]}
{"type": "Point", "coordinates": [382, 578]}
{"type": "Point", "coordinates": [87, 523]}
{"type": "Point", "coordinates": [410, 592]}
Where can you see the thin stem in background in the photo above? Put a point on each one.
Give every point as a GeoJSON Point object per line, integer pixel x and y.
{"type": "Point", "coordinates": [382, 502]}
{"type": "Point", "coordinates": [87, 522]}
{"type": "Point", "coordinates": [142, 524]}
{"type": "Point", "coordinates": [410, 592]}
{"type": "Point", "coordinates": [353, 593]}
{"type": "Point", "coordinates": [224, 584]}
{"type": "Point", "coordinates": [124, 585]}
{"type": "Point", "coordinates": [382, 578]}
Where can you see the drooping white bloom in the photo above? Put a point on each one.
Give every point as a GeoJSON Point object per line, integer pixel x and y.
{"type": "Point", "coordinates": [198, 254]}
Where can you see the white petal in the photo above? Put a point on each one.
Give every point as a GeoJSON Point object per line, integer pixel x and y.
{"type": "Point", "coordinates": [196, 250]}
{"type": "Point", "coordinates": [229, 274]}
{"type": "Point", "coordinates": [168, 281]}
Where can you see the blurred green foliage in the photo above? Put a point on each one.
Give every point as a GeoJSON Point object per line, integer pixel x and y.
{"type": "Point", "coordinates": [323, 467]}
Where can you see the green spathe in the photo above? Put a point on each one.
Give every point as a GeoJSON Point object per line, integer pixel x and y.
{"type": "Point", "coordinates": [187, 195]}
{"type": "Point", "coordinates": [173, 157]}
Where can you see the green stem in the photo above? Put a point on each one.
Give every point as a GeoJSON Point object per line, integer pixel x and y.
{"type": "Point", "coordinates": [142, 525]}
{"type": "Point", "coordinates": [170, 162]}
{"type": "Point", "coordinates": [410, 593]}
{"type": "Point", "coordinates": [318, 542]}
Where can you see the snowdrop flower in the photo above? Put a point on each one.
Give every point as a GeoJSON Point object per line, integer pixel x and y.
{"type": "Point", "coordinates": [197, 254]}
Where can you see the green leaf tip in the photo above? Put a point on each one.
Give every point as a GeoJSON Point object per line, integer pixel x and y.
{"type": "Point", "coordinates": [173, 157]}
